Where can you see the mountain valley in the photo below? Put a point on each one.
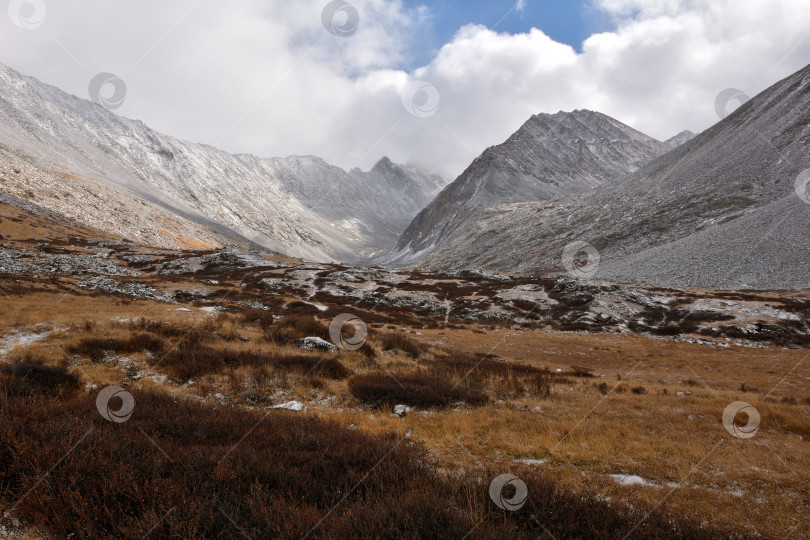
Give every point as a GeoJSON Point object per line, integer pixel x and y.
{"type": "Point", "coordinates": [198, 344]}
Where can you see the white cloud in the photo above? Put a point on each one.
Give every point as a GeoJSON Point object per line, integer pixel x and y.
{"type": "Point", "coordinates": [267, 78]}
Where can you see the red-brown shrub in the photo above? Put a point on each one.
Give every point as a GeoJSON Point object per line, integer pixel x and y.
{"type": "Point", "coordinates": [578, 371]}
{"type": "Point", "coordinates": [418, 390]}
{"type": "Point", "coordinates": [262, 317]}
{"type": "Point", "coordinates": [96, 348]}
{"type": "Point", "coordinates": [183, 469]}
{"type": "Point", "coordinates": [292, 327]}
{"type": "Point", "coordinates": [331, 368]}
{"type": "Point", "coordinates": [165, 329]}
{"type": "Point", "coordinates": [506, 379]}
{"type": "Point", "coordinates": [397, 341]}
{"type": "Point", "coordinates": [29, 375]}
{"type": "Point", "coordinates": [187, 361]}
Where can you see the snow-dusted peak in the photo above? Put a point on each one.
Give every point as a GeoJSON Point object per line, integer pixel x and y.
{"type": "Point", "coordinates": [550, 156]}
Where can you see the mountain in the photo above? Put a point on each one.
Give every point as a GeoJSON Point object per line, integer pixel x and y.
{"type": "Point", "coordinates": [681, 138]}
{"type": "Point", "coordinates": [299, 205]}
{"type": "Point", "coordinates": [721, 211]}
{"type": "Point", "coordinates": [550, 156]}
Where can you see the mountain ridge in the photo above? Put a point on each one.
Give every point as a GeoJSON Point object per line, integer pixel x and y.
{"type": "Point", "coordinates": [263, 200]}
{"type": "Point", "coordinates": [573, 152]}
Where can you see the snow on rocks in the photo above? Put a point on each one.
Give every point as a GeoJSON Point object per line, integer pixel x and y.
{"type": "Point", "coordinates": [18, 261]}
{"type": "Point", "coordinates": [315, 344]}
{"type": "Point", "coordinates": [531, 461]}
{"type": "Point", "coordinates": [136, 290]}
{"type": "Point", "coordinates": [402, 410]}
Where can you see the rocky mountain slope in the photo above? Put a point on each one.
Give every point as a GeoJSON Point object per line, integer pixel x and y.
{"type": "Point", "coordinates": [550, 156]}
{"type": "Point", "coordinates": [720, 211]}
{"type": "Point", "coordinates": [300, 206]}
{"type": "Point", "coordinates": [102, 206]}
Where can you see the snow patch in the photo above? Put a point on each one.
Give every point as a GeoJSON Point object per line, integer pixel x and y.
{"type": "Point", "coordinates": [21, 339]}
{"type": "Point", "coordinates": [291, 406]}
{"type": "Point", "coordinates": [631, 480]}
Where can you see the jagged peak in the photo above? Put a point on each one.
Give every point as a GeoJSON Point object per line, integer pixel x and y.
{"type": "Point", "coordinates": [573, 113]}
{"type": "Point", "coordinates": [386, 166]}
{"type": "Point", "coordinates": [578, 123]}
{"type": "Point", "coordinates": [566, 118]}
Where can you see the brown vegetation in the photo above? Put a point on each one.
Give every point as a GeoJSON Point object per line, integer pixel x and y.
{"type": "Point", "coordinates": [179, 468]}
{"type": "Point", "coordinates": [417, 390]}
{"type": "Point", "coordinates": [589, 405]}
{"type": "Point", "coordinates": [291, 327]}
{"type": "Point", "coordinates": [97, 348]}
{"type": "Point", "coordinates": [397, 341]}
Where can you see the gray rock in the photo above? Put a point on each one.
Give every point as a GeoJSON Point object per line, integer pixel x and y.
{"type": "Point", "coordinates": [402, 410]}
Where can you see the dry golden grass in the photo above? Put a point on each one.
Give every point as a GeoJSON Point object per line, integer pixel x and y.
{"type": "Point", "coordinates": [649, 359]}
{"type": "Point", "coordinates": [67, 309]}
{"type": "Point", "coordinates": [671, 436]}
{"type": "Point", "coordinates": [188, 243]}
{"type": "Point", "coordinates": [17, 224]}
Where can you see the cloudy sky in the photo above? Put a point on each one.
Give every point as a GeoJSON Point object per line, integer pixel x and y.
{"type": "Point", "coordinates": [429, 82]}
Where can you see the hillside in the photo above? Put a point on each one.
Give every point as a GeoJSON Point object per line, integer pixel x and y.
{"type": "Point", "coordinates": [720, 211]}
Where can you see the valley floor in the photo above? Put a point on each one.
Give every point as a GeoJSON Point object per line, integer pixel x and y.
{"type": "Point", "coordinates": [606, 400]}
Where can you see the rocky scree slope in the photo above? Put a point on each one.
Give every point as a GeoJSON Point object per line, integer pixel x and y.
{"type": "Point", "coordinates": [93, 203]}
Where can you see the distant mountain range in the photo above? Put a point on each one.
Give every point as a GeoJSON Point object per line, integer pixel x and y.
{"type": "Point", "coordinates": [300, 205]}
{"type": "Point", "coordinates": [719, 211]}
{"type": "Point", "coordinates": [716, 210]}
